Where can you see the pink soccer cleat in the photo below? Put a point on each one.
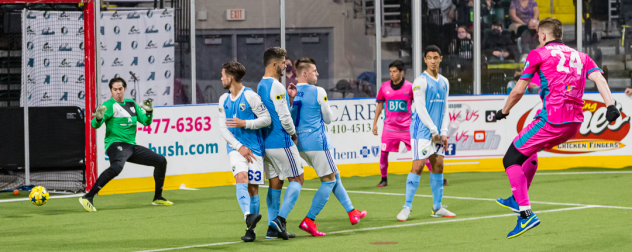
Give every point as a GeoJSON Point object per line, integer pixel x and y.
{"type": "Point", "coordinates": [355, 216]}
{"type": "Point", "coordinates": [310, 227]}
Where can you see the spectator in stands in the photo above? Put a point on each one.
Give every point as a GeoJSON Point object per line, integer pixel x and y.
{"type": "Point", "coordinates": [529, 38]}
{"type": "Point", "coordinates": [290, 73]}
{"type": "Point", "coordinates": [531, 88]}
{"type": "Point", "coordinates": [447, 9]}
{"type": "Point", "coordinates": [462, 45]}
{"type": "Point", "coordinates": [498, 43]}
{"type": "Point", "coordinates": [521, 11]}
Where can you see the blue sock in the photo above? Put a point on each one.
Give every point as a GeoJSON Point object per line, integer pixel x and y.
{"type": "Point", "coordinates": [291, 195]}
{"type": "Point", "coordinates": [242, 197]}
{"type": "Point", "coordinates": [320, 199]}
{"type": "Point", "coordinates": [436, 184]}
{"type": "Point", "coordinates": [341, 193]}
{"type": "Point", "coordinates": [412, 182]}
{"type": "Point", "coordinates": [254, 204]}
{"type": "Point", "coordinates": [273, 200]}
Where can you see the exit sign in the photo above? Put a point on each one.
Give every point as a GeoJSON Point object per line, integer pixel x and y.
{"type": "Point", "coordinates": [236, 14]}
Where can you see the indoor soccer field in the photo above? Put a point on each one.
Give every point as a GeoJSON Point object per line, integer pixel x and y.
{"type": "Point", "coordinates": [582, 209]}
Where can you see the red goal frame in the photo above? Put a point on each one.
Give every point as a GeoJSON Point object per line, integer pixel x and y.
{"type": "Point", "coordinates": [90, 80]}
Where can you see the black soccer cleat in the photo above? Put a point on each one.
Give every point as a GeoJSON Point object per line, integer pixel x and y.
{"type": "Point", "coordinates": [250, 236]}
{"type": "Point", "coordinates": [252, 220]}
{"type": "Point", "coordinates": [279, 225]}
{"type": "Point", "coordinates": [273, 234]}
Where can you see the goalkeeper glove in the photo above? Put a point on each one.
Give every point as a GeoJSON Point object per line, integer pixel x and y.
{"type": "Point", "coordinates": [499, 115]}
{"type": "Point", "coordinates": [612, 113]}
{"type": "Point", "coordinates": [148, 105]}
{"type": "Point", "coordinates": [99, 113]}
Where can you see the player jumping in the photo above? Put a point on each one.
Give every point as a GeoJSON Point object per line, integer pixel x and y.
{"type": "Point", "coordinates": [281, 157]}
{"type": "Point", "coordinates": [430, 92]}
{"type": "Point", "coordinates": [562, 72]}
{"type": "Point", "coordinates": [246, 115]}
{"type": "Point", "coordinates": [398, 96]}
{"type": "Point", "coordinates": [311, 112]}
{"type": "Point", "coordinates": [120, 116]}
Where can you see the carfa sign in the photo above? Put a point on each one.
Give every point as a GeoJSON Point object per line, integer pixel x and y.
{"type": "Point", "coordinates": [595, 134]}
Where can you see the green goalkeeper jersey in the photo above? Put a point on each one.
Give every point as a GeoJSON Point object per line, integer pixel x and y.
{"type": "Point", "coordinates": [120, 121]}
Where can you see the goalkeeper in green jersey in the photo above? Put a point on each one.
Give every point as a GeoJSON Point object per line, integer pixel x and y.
{"type": "Point", "coordinates": [120, 116]}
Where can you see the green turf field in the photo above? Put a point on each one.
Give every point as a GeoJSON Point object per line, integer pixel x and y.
{"type": "Point", "coordinates": [587, 211]}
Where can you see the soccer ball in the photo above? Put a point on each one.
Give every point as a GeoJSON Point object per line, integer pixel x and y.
{"type": "Point", "coordinates": [38, 196]}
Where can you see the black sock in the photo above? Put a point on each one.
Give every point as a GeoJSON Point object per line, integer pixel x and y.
{"type": "Point", "coordinates": [525, 214]}
{"type": "Point", "coordinates": [105, 177]}
{"type": "Point", "coordinates": [159, 179]}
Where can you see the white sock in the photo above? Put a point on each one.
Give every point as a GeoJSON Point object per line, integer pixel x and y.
{"type": "Point", "coordinates": [525, 208]}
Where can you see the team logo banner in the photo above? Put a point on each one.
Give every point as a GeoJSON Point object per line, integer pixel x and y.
{"type": "Point", "coordinates": [53, 59]}
{"type": "Point", "coordinates": [138, 46]}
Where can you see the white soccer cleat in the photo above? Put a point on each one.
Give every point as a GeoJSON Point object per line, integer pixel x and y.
{"type": "Point", "coordinates": [442, 212]}
{"type": "Point", "coordinates": [403, 215]}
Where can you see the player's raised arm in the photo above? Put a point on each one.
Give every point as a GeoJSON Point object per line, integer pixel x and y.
{"type": "Point", "coordinates": [278, 95]}
{"type": "Point", "coordinates": [325, 110]}
{"type": "Point", "coordinates": [419, 92]}
{"type": "Point", "coordinates": [102, 115]}
{"type": "Point", "coordinates": [263, 116]}
{"type": "Point", "coordinates": [145, 114]}
{"type": "Point", "coordinates": [226, 134]}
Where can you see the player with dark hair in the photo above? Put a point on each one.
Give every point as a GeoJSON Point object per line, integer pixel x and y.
{"type": "Point", "coordinates": [120, 116]}
{"type": "Point", "coordinates": [281, 159]}
{"type": "Point", "coordinates": [398, 96]}
{"type": "Point", "coordinates": [310, 112]}
{"type": "Point", "coordinates": [428, 132]}
{"type": "Point", "coordinates": [562, 73]}
{"type": "Point", "coordinates": [246, 115]}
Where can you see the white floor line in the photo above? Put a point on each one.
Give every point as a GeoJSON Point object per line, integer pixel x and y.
{"type": "Point", "coordinates": [384, 227]}
{"type": "Point", "coordinates": [52, 197]}
{"type": "Point", "coordinates": [580, 173]}
{"type": "Point", "coordinates": [480, 199]}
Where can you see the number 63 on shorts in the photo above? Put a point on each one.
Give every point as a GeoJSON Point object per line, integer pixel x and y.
{"type": "Point", "coordinates": [239, 164]}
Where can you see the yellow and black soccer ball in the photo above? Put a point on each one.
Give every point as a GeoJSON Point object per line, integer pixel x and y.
{"type": "Point", "coordinates": [38, 196]}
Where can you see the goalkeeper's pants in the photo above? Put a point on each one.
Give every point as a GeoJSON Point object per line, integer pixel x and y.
{"type": "Point", "coordinates": [119, 153]}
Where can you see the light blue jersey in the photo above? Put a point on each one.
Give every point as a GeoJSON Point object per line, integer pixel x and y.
{"type": "Point", "coordinates": [242, 107]}
{"type": "Point", "coordinates": [307, 113]}
{"type": "Point", "coordinates": [431, 101]}
{"type": "Point", "coordinates": [275, 98]}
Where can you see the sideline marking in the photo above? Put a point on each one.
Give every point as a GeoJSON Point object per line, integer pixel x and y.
{"type": "Point", "coordinates": [384, 227]}
{"type": "Point", "coordinates": [581, 173]}
{"type": "Point", "coordinates": [52, 197]}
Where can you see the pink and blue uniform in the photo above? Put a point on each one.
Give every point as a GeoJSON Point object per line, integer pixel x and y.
{"type": "Point", "coordinates": [561, 72]}
{"type": "Point", "coordinates": [398, 118]}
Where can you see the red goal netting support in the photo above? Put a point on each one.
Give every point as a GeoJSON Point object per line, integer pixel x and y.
{"type": "Point", "coordinates": [89, 10]}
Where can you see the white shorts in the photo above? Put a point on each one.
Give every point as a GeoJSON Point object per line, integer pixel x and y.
{"type": "Point", "coordinates": [321, 161]}
{"type": "Point", "coordinates": [255, 169]}
{"type": "Point", "coordinates": [283, 163]}
{"type": "Point", "coordinates": [424, 148]}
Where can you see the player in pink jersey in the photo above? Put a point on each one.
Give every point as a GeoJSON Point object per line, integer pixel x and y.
{"type": "Point", "coordinates": [398, 95]}
{"type": "Point", "coordinates": [562, 73]}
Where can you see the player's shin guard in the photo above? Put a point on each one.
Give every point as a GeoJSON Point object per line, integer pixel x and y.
{"type": "Point", "coordinates": [273, 200]}
{"type": "Point", "coordinates": [518, 182]}
{"type": "Point", "coordinates": [243, 198]}
{"type": "Point", "coordinates": [529, 168]}
{"type": "Point", "coordinates": [384, 163]}
{"type": "Point", "coordinates": [254, 204]}
{"type": "Point", "coordinates": [291, 195]}
{"type": "Point", "coordinates": [341, 194]}
{"type": "Point", "coordinates": [412, 183]}
{"type": "Point", "coordinates": [320, 199]}
{"type": "Point", "coordinates": [436, 185]}
{"type": "Point", "coordinates": [159, 178]}
{"type": "Point", "coordinates": [105, 177]}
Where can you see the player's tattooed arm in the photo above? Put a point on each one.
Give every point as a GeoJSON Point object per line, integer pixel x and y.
{"type": "Point", "coordinates": [419, 92]}
{"type": "Point", "coordinates": [263, 116]}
